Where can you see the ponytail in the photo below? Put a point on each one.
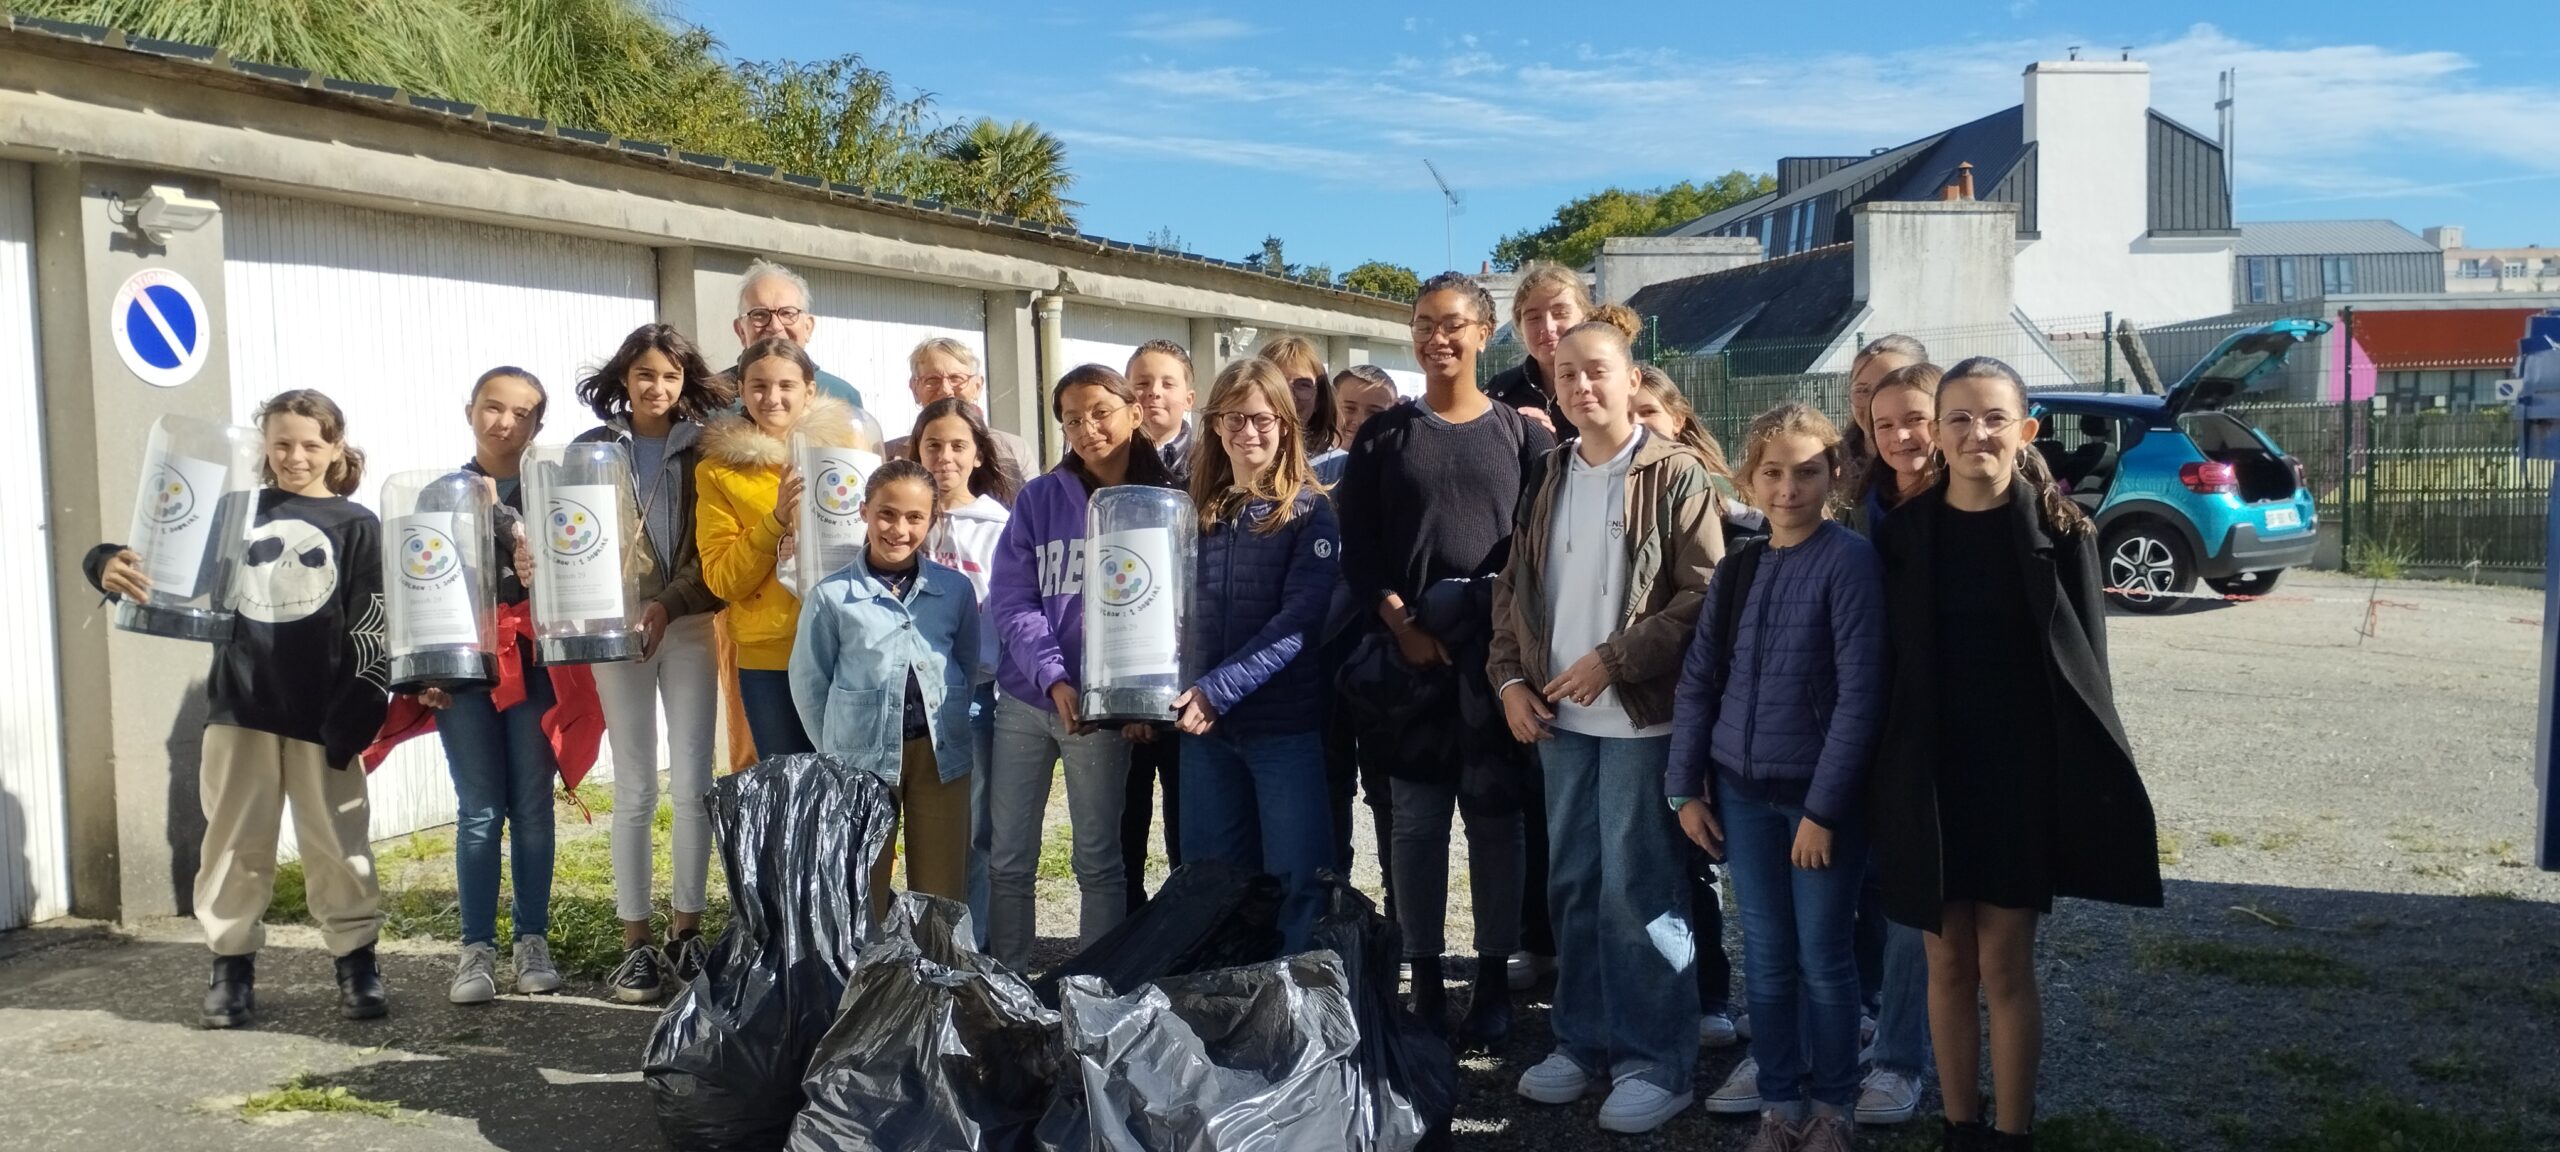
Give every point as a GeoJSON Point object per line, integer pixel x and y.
{"type": "Point", "coordinates": [348, 472]}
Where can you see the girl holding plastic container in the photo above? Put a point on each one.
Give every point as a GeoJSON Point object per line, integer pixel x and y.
{"type": "Point", "coordinates": [1037, 601]}
{"type": "Point", "coordinates": [1253, 769]}
{"type": "Point", "coordinates": [653, 396]}
{"type": "Point", "coordinates": [294, 695]}
{"type": "Point", "coordinates": [954, 444]}
{"type": "Point", "coordinates": [881, 678]}
{"type": "Point", "coordinates": [746, 512]}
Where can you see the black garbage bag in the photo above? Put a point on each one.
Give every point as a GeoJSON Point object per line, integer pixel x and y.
{"type": "Point", "coordinates": [1409, 1073]}
{"type": "Point", "coordinates": [935, 1047]}
{"type": "Point", "coordinates": [1209, 914]}
{"type": "Point", "coordinates": [1263, 1057]}
{"type": "Point", "coordinates": [797, 836]}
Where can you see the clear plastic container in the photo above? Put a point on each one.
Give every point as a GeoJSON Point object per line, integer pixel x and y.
{"type": "Point", "coordinates": [829, 533]}
{"type": "Point", "coordinates": [439, 580]}
{"type": "Point", "coordinates": [192, 511]}
{"type": "Point", "coordinates": [1140, 546]}
{"type": "Point", "coordinates": [589, 552]}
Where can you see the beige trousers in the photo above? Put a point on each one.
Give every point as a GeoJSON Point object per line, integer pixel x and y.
{"type": "Point", "coordinates": [935, 817]}
{"type": "Point", "coordinates": [247, 779]}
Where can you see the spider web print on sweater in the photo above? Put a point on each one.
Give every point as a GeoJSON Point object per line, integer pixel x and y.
{"type": "Point", "coordinates": [373, 657]}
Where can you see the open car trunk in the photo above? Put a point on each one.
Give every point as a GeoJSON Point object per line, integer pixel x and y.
{"type": "Point", "coordinates": [2264, 476]}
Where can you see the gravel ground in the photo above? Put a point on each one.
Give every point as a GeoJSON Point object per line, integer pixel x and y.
{"type": "Point", "coordinates": [2346, 824]}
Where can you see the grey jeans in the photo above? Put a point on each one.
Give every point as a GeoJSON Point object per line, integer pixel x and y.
{"type": "Point", "coordinates": [1029, 743]}
{"type": "Point", "coordinates": [1421, 861]}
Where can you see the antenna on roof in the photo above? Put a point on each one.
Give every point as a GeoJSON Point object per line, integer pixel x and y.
{"type": "Point", "coordinates": [1453, 203]}
{"type": "Point", "coordinates": [2127, 53]}
{"type": "Point", "coordinates": [2075, 51]}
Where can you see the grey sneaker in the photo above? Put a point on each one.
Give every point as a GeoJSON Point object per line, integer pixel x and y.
{"type": "Point", "coordinates": [535, 973]}
{"type": "Point", "coordinates": [1775, 1134]}
{"type": "Point", "coordinates": [475, 979]}
{"type": "Point", "coordinates": [1888, 1097]}
{"type": "Point", "coordinates": [1739, 1095]}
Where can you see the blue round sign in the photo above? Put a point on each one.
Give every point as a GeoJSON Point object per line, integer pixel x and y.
{"type": "Point", "coordinates": [161, 327]}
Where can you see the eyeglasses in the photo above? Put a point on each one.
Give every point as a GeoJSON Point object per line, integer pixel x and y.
{"type": "Point", "coordinates": [1261, 422]}
{"type": "Point", "coordinates": [1449, 327]}
{"type": "Point", "coordinates": [1964, 424]}
{"type": "Point", "coordinates": [768, 317]}
{"type": "Point", "coordinates": [951, 380]}
{"type": "Point", "coordinates": [1093, 419]}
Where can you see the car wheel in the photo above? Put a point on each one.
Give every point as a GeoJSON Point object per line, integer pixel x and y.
{"type": "Point", "coordinates": [2147, 566]}
{"type": "Point", "coordinates": [2247, 583]}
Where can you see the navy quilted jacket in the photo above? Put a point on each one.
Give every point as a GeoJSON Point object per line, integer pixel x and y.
{"type": "Point", "coordinates": [1258, 612]}
{"type": "Point", "coordinates": [1805, 698]}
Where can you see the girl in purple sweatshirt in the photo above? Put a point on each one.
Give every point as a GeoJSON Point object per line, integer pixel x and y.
{"type": "Point", "coordinates": [1036, 603]}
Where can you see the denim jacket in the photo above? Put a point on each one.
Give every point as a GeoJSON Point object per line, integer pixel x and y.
{"type": "Point", "coordinates": [857, 643]}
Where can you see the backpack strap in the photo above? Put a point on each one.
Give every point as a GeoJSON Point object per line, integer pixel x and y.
{"type": "Point", "coordinates": [1741, 565]}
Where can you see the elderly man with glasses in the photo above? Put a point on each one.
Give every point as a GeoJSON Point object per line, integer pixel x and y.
{"type": "Point", "coordinates": [942, 366]}
{"type": "Point", "coordinates": [774, 301]}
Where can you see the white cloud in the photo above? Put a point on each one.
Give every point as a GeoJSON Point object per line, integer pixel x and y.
{"type": "Point", "coordinates": [1170, 28]}
{"type": "Point", "coordinates": [1412, 23]}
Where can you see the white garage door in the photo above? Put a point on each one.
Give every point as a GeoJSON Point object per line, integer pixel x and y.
{"type": "Point", "coordinates": [35, 872]}
{"type": "Point", "coordinates": [1398, 360]}
{"type": "Point", "coordinates": [868, 324]}
{"type": "Point", "coordinates": [1093, 334]}
{"type": "Point", "coordinates": [394, 316]}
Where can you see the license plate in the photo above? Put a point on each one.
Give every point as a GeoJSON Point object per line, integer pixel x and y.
{"type": "Point", "coordinates": [2283, 518]}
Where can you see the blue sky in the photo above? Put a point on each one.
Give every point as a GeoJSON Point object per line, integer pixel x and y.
{"type": "Point", "coordinates": [1311, 120]}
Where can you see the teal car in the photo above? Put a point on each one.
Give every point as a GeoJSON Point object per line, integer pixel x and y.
{"type": "Point", "coordinates": [2182, 490]}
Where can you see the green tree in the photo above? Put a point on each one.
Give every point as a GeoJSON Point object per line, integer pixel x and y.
{"type": "Point", "coordinates": [1573, 237]}
{"type": "Point", "coordinates": [1379, 278]}
{"type": "Point", "coordinates": [1272, 257]}
{"type": "Point", "coordinates": [844, 120]}
{"type": "Point", "coordinates": [1016, 169]}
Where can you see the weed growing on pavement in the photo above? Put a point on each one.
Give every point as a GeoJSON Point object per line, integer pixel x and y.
{"type": "Point", "coordinates": [2249, 964]}
{"type": "Point", "coordinates": [2279, 840]}
{"type": "Point", "coordinates": [2221, 839]}
{"type": "Point", "coordinates": [2388, 558]}
{"type": "Point", "coordinates": [309, 1093]}
{"type": "Point", "coordinates": [2309, 1066]}
{"type": "Point", "coordinates": [2171, 849]}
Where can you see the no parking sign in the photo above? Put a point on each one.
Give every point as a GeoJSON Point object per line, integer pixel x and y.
{"type": "Point", "coordinates": [161, 327]}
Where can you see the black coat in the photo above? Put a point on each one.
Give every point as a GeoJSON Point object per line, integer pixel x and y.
{"type": "Point", "coordinates": [2104, 843]}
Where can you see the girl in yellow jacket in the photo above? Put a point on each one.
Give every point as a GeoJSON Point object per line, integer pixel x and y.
{"type": "Point", "coordinates": [747, 500]}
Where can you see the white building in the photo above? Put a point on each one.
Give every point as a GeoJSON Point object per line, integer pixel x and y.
{"type": "Point", "coordinates": [2529, 269]}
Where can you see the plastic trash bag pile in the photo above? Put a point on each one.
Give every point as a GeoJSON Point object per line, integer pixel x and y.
{"type": "Point", "coordinates": [1182, 1030]}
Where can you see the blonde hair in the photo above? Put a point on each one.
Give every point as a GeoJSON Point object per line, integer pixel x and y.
{"type": "Point", "coordinates": [1538, 275]}
{"type": "Point", "coordinates": [967, 356]}
{"type": "Point", "coordinates": [1794, 418]}
{"type": "Point", "coordinates": [1214, 490]}
{"type": "Point", "coordinates": [1291, 353]}
{"type": "Point", "coordinates": [1622, 318]}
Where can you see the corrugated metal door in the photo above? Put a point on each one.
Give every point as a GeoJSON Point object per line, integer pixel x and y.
{"type": "Point", "coordinates": [394, 316]}
{"type": "Point", "coordinates": [868, 324]}
{"type": "Point", "coordinates": [1094, 334]}
{"type": "Point", "coordinates": [35, 868]}
{"type": "Point", "coordinates": [1398, 360]}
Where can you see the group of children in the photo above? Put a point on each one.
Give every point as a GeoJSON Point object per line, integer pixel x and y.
{"type": "Point", "coordinates": [1865, 675]}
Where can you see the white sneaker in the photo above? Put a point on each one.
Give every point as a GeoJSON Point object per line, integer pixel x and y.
{"type": "Point", "coordinates": [1888, 1097]}
{"type": "Point", "coordinates": [1716, 1030]}
{"type": "Point", "coordinates": [475, 978]}
{"type": "Point", "coordinates": [535, 973]}
{"type": "Point", "coordinates": [1740, 1094]}
{"type": "Point", "coordinates": [1524, 969]}
{"type": "Point", "coordinates": [1557, 1080]}
{"type": "Point", "coordinates": [1636, 1106]}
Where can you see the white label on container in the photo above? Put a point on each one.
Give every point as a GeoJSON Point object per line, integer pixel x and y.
{"type": "Point", "coordinates": [435, 599]}
{"type": "Point", "coordinates": [178, 512]}
{"type": "Point", "coordinates": [582, 553]}
{"type": "Point", "coordinates": [1135, 622]}
{"type": "Point", "coordinates": [832, 479]}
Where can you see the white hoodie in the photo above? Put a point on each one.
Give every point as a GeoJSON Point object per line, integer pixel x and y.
{"type": "Point", "coordinates": [965, 538]}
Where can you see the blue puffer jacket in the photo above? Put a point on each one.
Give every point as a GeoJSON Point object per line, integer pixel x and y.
{"type": "Point", "coordinates": [1258, 612]}
{"type": "Point", "coordinates": [1802, 705]}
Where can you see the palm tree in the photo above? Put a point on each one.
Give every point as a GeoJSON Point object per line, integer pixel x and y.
{"type": "Point", "coordinates": [1015, 169]}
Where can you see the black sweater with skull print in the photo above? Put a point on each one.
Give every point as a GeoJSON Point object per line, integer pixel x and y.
{"type": "Point", "coordinates": [306, 659]}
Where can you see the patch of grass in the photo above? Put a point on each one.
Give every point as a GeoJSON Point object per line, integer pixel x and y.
{"type": "Point", "coordinates": [2388, 1125]}
{"type": "Point", "coordinates": [2249, 964]}
{"type": "Point", "coordinates": [2279, 840]}
{"type": "Point", "coordinates": [2309, 1066]}
{"type": "Point", "coordinates": [2235, 1131]}
{"type": "Point", "coordinates": [2439, 869]}
{"type": "Point", "coordinates": [1057, 855]}
{"type": "Point", "coordinates": [309, 1093]}
{"type": "Point", "coordinates": [2221, 839]}
{"type": "Point", "coordinates": [2098, 1131]}
{"type": "Point", "coordinates": [2460, 1065]}
{"type": "Point", "coordinates": [2172, 850]}
{"type": "Point", "coordinates": [2387, 558]}
{"type": "Point", "coordinates": [2494, 894]}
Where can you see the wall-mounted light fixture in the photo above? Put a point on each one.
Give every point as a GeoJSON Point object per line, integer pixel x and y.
{"type": "Point", "coordinates": [166, 208]}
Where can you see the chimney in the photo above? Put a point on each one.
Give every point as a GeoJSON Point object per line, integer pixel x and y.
{"type": "Point", "coordinates": [1630, 264]}
{"type": "Point", "coordinates": [1935, 266]}
{"type": "Point", "coordinates": [1962, 189]}
{"type": "Point", "coordinates": [2445, 237]}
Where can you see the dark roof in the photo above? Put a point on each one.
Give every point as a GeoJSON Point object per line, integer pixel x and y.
{"type": "Point", "coordinates": [360, 96]}
{"type": "Point", "coordinates": [1784, 312]}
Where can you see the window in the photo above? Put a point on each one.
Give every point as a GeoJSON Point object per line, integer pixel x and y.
{"type": "Point", "coordinates": [2286, 289]}
{"type": "Point", "coordinates": [2515, 269]}
{"type": "Point", "coordinates": [2337, 275]}
{"type": "Point", "coordinates": [1765, 223]}
{"type": "Point", "coordinates": [2257, 279]}
{"type": "Point", "coordinates": [2551, 266]}
{"type": "Point", "coordinates": [2471, 270]}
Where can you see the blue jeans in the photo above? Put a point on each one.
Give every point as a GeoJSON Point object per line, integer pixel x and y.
{"type": "Point", "coordinates": [503, 773]}
{"type": "Point", "coordinates": [773, 720]}
{"type": "Point", "coordinates": [982, 825]}
{"type": "Point", "coordinates": [1799, 965]}
{"type": "Point", "coordinates": [1617, 887]}
{"type": "Point", "coordinates": [1260, 802]}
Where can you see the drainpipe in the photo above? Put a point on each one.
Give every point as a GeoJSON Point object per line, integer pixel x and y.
{"type": "Point", "coordinates": [1049, 335]}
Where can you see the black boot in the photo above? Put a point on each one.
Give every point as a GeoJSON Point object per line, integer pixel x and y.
{"type": "Point", "coordinates": [360, 992]}
{"type": "Point", "coordinates": [231, 1000]}
{"type": "Point", "coordinates": [1430, 997]}
{"type": "Point", "coordinates": [2011, 1141]}
{"type": "Point", "coordinates": [1488, 1021]}
{"type": "Point", "coordinates": [1970, 1136]}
